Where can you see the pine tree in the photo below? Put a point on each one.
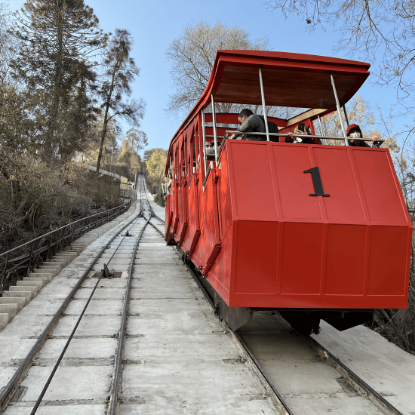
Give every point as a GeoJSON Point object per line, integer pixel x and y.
{"type": "Point", "coordinates": [120, 71]}
{"type": "Point", "coordinates": [59, 39]}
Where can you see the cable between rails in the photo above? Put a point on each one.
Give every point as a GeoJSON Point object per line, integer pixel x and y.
{"type": "Point", "coordinates": [45, 388]}
{"type": "Point", "coordinates": [55, 368]}
{"type": "Point", "coordinates": [151, 209]}
{"type": "Point", "coordinates": [118, 365]}
{"type": "Point", "coordinates": [12, 385]}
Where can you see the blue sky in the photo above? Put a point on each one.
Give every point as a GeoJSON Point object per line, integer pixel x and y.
{"type": "Point", "coordinates": [155, 23]}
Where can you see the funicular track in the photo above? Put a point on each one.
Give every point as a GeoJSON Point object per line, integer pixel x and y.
{"type": "Point", "coordinates": [135, 228]}
{"type": "Point", "coordinates": [346, 374]}
{"type": "Point", "coordinates": [354, 382]}
{"type": "Point", "coordinates": [123, 234]}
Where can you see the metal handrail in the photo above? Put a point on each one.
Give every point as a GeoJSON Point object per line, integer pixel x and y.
{"type": "Point", "coordinates": [302, 135]}
{"type": "Point", "coordinates": [57, 238]}
{"type": "Point", "coordinates": [63, 227]}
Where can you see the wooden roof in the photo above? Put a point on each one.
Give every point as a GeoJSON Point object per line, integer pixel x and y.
{"type": "Point", "coordinates": [290, 79]}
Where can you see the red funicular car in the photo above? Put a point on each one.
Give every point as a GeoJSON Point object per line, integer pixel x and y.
{"type": "Point", "coordinates": [313, 231]}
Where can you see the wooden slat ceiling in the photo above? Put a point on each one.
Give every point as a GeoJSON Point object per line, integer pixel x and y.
{"type": "Point", "coordinates": [286, 88]}
{"type": "Point", "coordinates": [290, 79]}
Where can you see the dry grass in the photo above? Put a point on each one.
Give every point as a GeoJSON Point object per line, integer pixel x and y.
{"type": "Point", "coordinates": [398, 326]}
{"type": "Point", "coordinates": [36, 199]}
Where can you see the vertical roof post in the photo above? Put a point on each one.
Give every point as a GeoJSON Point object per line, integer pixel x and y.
{"type": "Point", "coordinates": [204, 140]}
{"type": "Point", "coordinates": [345, 114]}
{"type": "Point", "coordinates": [264, 109]}
{"type": "Point", "coordinates": [321, 126]}
{"type": "Point", "coordinates": [215, 137]}
{"type": "Point", "coordinates": [338, 109]}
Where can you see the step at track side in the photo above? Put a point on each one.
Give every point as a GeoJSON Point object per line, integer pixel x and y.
{"type": "Point", "coordinates": [24, 331]}
{"type": "Point", "coordinates": [46, 271]}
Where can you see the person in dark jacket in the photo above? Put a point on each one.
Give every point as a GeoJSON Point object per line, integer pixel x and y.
{"type": "Point", "coordinates": [250, 122]}
{"type": "Point", "coordinates": [354, 131]}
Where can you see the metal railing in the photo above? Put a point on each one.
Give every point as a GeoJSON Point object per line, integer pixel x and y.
{"type": "Point", "coordinates": [302, 136]}
{"type": "Point", "coordinates": [21, 260]}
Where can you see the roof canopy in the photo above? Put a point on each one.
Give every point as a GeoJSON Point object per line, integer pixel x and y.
{"type": "Point", "coordinates": [290, 79]}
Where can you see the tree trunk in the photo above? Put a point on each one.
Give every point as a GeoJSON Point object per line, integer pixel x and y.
{"type": "Point", "coordinates": [107, 107]}
{"type": "Point", "coordinates": [57, 91]}
{"type": "Point", "coordinates": [104, 133]}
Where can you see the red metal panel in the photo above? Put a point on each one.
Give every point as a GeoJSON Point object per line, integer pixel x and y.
{"type": "Point", "coordinates": [210, 235]}
{"type": "Point", "coordinates": [293, 250]}
{"type": "Point", "coordinates": [183, 206]}
{"type": "Point", "coordinates": [301, 258]}
{"type": "Point", "coordinates": [224, 195]}
{"type": "Point", "coordinates": [293, 186]}
{"type": "Point", "coordinates": [199, 256]}
{"type": "Point", "coordinates": [252, 193]}
{"type": "Point", "coordinates": [339, 180]}
{"type": "Point", "coordinates": [167, 217]}
{"type": "Point", "coordinates": [345, 263]}
{"type": "Point", "coordinates": [174, 191]}
{"type": "Point", "coordinates": [389, 261]}
{"type": "Point", "coordinates": [220, 274]}
{"type": "Point", "coordinates": [256, 257]}
{"type": "Point", "coordinates": [176, 217]}
{"type": "Point", "coordinates": [193, 216]}
{"type": "Point", "coordinates": [381, 190]}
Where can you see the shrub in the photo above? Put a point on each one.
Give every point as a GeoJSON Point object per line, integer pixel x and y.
{"type": "Point", "coordinates": [36, 199]}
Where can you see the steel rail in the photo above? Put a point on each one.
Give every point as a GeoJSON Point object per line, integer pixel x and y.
{"type": "Point", "coordinates": [103, 272]}
{"type": "Point", "coordinates": [335, 362]}
{"type": "Point", "coordinates": [68, 342]}
{"type": "Point", "coordinates": [113, 403]}
{"type": "Point", "coordinates": [279, 401]}
{"type": "Point", "coordinates": [151, 209]}
{"type": "Point", "coordinates": [8, 391]}
{"type": "Point", "coordinates": [282, 405]}
{"type": "Point", "coordinates": [378, 400]}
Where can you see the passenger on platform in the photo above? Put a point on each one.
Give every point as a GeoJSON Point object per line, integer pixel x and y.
{"type": "Point", "coordinates": [301, 132]}
{"type": "Point", "coordinates": [250, 122]}
{"type": "Point", "coordinates": [210, 149]}
{"type": "Point", "coordinates": [168, 187]}
{"type": "Point", "coordinates": [354, 131]}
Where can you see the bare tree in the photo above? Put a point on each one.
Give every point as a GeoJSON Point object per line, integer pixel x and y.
{"type": "Point", "coordinates": [193, 54]}
{"type": "Point", "coordinates": [381, 31]}
{"type": "Point", "coordinates": [137, 139]}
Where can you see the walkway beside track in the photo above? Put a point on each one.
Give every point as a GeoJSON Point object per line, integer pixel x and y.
{"type": "Point", "coordinates": [19, 336]}
{"type": "Point", "coordinates": [177, 358]}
